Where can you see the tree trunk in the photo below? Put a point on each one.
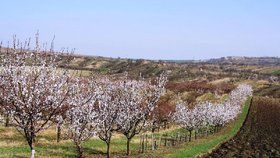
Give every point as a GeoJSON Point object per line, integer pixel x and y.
{"type": "Point", "coordinates": [108, 149]}
{"type": "Point", "coordinates": [190, 136]}
{"type": "Point", "coordinates": [128, 147]}
{"type": "Point", "coordinates": [58, 134]}
{"type": "Point", "coordinates": [143, 143]}
{"type": "Point", "coordinates": [32, 153]}
{"type": "Point", "coordinates": [153, 142]}
{"type": "Point", "coordinates": [79, 150]}
{"type": "Point", "coordinates": [218, 128]}
{"type": "Point", "coordinates": [195, 134]}
{"type": "Point", "coordinates": [154, 127]}
{"type": "Point", "coordinates": [146, 144]}
{"type": "Point", "coordinates": [31, 145]}
{"type": "Point", "coordinates": [80, 154]}
{"type": "Point", "coordinates": [7, 121]}
{"type": "Point", "coordinates": [30, 141]}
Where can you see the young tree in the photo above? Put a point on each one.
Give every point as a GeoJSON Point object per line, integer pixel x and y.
{"type": "Point", "coordinates": [81, 118]}
{"type": "Point", "coordinates": [203, 115]}
{"type": "Point", "coordinates": [33, 89]}
{"type": "Point", "coordinates": [108, 111]}
{"type": "Point", "coordinates": [137, 100]}
{"type": "Point", "coordinates": [185, 117]}
{"type": "Point", "coordinates": [239, 95]}
{"type": "Point", "coordinates": [162, 113]}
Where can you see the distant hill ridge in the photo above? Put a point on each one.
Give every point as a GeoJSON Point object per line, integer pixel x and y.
{"type": "Point", "coordinates": [91, 61]}
{"type": "Point", "coordinates": [242, 60]}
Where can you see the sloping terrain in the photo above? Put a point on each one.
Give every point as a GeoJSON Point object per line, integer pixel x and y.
{"type": "Point", "coordinates": [260, 134]}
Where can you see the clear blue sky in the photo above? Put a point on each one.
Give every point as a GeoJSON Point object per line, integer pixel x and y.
{"type": "Point", "coordinates": [154, 29]}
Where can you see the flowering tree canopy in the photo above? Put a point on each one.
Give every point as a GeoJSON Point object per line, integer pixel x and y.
{"type": "Point", "coordinates": [33, 90]}
{"type": "Point", "coordinates": [81, 115]}
{"type": "Point", "coordinates": [137, 100]}
{"type": "Point", "coordinates": [208, 114]}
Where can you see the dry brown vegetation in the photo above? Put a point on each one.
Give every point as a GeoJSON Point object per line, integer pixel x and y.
{"type": "Point", "coordinates": [200, 86]}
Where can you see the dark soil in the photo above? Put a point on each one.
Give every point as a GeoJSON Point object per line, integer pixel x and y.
{"type": "Point", "coordinates": [259, 135]}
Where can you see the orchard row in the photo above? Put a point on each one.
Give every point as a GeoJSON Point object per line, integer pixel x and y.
{"type": "Point", "coordinates": [35, 93]}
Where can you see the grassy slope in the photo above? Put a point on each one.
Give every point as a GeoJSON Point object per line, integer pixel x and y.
{"type": "Point", "coordinates": [205, 145]}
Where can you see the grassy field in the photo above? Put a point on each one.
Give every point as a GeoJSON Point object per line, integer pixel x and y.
{"type": "Point", "coordinates": [12, 144]}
